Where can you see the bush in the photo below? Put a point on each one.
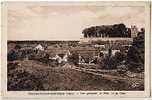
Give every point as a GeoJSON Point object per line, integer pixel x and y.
{"type": "Point", "coordinates": [74, 58]}
{"type": "Point", "coordinates": [11, 55]}
{"type": "Point", "coordinates": [135, 56]}
{"type": "Point", "coordinates": [111, 62]}
{"type": "Point", "coordinates": [20, 79]}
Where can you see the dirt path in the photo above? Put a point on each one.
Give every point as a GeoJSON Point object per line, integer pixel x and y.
{"type": "Point", "coordinates": [100, 73]}
{"type": "Point", "coordinates": [70, 77]}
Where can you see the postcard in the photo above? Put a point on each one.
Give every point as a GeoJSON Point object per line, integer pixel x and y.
{"type": "Point", "coordinates": [75, 49]}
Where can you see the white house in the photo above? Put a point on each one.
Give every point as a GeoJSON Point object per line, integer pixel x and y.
{"type": "Point", "coordinates": [114, 51]}
{"type": "Point", "coordinates": [39, 47]}
{"type": "Point", "coordinates": [101, 46]}
{"type": "Point", "coordinates": [59, 58]}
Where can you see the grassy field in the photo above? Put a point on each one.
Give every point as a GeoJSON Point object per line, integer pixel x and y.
{"type": "Point", "coordinates": [38, 76]}
{"type": "Point", "coordinates": [44, 74]}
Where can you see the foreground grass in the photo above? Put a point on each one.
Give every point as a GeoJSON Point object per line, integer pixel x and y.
{"type": "Point", "coordinates": [32, 75]}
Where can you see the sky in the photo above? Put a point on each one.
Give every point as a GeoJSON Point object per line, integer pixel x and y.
{"type": "Point", "coordinates": [65, 22]}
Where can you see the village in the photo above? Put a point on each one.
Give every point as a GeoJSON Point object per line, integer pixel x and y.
{"type": "Point", "coordinates": [87, 53]}
{"type": "Point", "coordinates": [104, 58]}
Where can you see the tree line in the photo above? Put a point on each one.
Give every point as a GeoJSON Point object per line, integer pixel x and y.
{"type": "Point", "coordinates": [116, 30]}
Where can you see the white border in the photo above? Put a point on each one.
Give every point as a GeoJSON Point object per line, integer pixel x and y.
{"type": "Point", "coordinates": [23, 94]}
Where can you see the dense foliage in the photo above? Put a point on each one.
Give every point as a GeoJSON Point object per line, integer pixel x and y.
{"type": "Point", "coordinates": [74, 58]}
{"type": "Point", "coordinates": [111, 62]}
{"type": "Point", "coordinates": [135, 56]}
{"type": "Point", "coordinates": [116, 30]}
{"type": "Point", "coordinates": [21, 79]}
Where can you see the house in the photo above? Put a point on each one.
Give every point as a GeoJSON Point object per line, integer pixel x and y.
{"type": "Point", "coordinates": [39, 47]}
{"type": "Point", "coordinates": [99, 46]}
{"type": "Point", "coordinates": [114, 51]}
{"type": "Point", "coordinates": [81, 59]}
{"type": "Point", "coordinates": [61, 56]}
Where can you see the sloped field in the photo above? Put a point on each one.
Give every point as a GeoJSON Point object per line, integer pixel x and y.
{"type": "Point", "coordinates": [33, 75]}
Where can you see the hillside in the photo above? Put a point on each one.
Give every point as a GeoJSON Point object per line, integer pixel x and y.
{"type": "Point", "coordinates": [62, 78]}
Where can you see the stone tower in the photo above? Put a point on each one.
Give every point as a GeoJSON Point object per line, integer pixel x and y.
{"type": "Point", "coordinates": [134, 31]}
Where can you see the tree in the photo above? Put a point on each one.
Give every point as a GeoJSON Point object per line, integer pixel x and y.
{"type": "Point", "coordinates": [111, 62]}
{"type": "Point", "coordinates": [116, 30]}
{"type": "Point", "coordinates": [135, 56]}
{"type": "Point", "coordinates": [18, 47]}
{"type": "Point", "coordinates": [12, 55]}
{"type": "Point", "coordinates": [74, 58]}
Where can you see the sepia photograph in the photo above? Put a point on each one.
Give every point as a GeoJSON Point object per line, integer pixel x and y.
{"type": "Point", "coordinates": [112, 60]}
{"type": "Point", "coordinates": [81, 46]}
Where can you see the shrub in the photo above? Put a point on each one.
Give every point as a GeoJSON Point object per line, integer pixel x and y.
{"type": "Point", "coordinates": [135, 56]}
{"type": "Point", "coordinates": [111, 62]}
{"type": "Point", "coordinates": [74, 58]}
{"type": "Point", "coordinates": [12, 55]}
{"type": "Point", "coordinates": [20, 79]}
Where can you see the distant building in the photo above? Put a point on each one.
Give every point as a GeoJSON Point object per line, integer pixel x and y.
{"type": "Point", "coordinates": [59, 58]}
{"type": "Point", "coordinates": [105, 40]}
{"type": "Point", "coordinates": [134, 31]}
{"type": "Point", "coordinates": [39, 47]}
{"type": "Point", "coordinates": [60, 55]}
{"type": "Point", "coordinates": [114, 52]}
{"type": "Point", "coordinates": [101, 46]}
